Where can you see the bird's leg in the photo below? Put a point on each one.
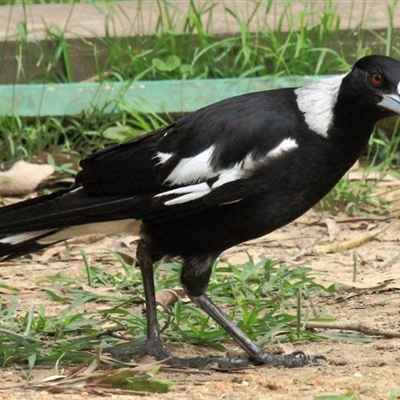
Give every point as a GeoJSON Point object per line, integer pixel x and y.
{"type": "Point", "coordinates": [195, 276]}
{"type": "Point", "coordinates": [153, 344]}
{"type": "Point", "coordinates": [257, 356]}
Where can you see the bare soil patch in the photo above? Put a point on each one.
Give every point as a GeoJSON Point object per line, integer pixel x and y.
{"type": "Point", "coordinates": [372, 369]}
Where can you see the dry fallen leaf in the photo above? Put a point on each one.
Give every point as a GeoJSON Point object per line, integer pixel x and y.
{"type": "Point", "coordinates": [128, 259]}
{"type": "Point", "coordinates": [168, 297]}
{"type": "Point", "coordinates": [351, 244]}
{"type": "Point", "coordinates": [333, 228]}
{"type": "Point", "coordinates": [23, 178]}
{"type": "Point", "coordinates": [89, 378]}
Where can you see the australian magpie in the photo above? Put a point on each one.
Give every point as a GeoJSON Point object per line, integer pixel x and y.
{"type": "Point", "coordinates": [225, 174]}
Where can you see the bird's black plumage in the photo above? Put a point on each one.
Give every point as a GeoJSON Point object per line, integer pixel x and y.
{"type": "Point", "coordinates": [227, 173]}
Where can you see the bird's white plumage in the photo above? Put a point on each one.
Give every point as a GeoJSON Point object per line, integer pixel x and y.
{"type": "Point", "coordinates": [163, 157]}
{"type": "Point", "coordinates": [239, 170]}
{"type": "Point", "coordinates": [23, 237]}
{"type": "Point", "coordinates": [285, 146]}
{"type": "Point", "coordinates": [317, 100]}
{"type": "Point", "coordinates": [192, 169]}
{"type": "Point", "coordinates": [189, 193]}
{"type": "Point", "coordinates": [244, 168]}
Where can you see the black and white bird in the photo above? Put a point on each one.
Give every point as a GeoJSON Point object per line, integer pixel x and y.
{"type": "Point", "coordinates": [225, 174]}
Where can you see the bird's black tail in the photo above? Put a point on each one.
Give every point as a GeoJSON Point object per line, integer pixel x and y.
{"type": "Point", "coordinates": [40, 222]}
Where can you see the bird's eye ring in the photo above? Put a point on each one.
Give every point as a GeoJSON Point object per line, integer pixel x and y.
{"type": "Point", "coordinates": [376, 79]}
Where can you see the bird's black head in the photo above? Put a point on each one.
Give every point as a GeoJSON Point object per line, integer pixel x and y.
{"type": "Point", "coordinates": [374, 83]}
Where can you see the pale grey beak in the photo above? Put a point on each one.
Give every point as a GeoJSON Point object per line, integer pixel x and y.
{"type": "Point", "coordinates": [391, 102]}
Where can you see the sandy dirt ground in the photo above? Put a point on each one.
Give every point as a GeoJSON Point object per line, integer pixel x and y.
{"type": "Point", "coordinates": [371, 370]}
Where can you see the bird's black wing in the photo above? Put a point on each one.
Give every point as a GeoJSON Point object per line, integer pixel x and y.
{"type": "Point", "coordinates": [207, 156]}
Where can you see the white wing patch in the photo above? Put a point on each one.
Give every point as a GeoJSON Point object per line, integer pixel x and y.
{"type": "Point", "coordinates": [240, 170]}
{"type": "Point", "coordinates": [317, 100]}
{"type": "Point", "coordinates": [163, 157]}
{"type": "Point", "coordinates": [192, 169]}
{"type": "Point", "coordinates": [285, 146]}
{"type": "Point", "coordinates": [189, 193]}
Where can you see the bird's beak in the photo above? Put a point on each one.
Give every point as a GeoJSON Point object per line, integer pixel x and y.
{"type": "Point", "coordinates": [391, 102]}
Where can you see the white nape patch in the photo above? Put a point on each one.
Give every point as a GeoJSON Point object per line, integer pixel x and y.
{"type": "Point", "coordinates": [317, 100]}
{"type": "Point", "coordinates": [130, 226]}
{"type": "Point", "coordinates": [192, 169]}
{"type": "Point", "coordinates": [23, 237]}
{"type": "Point", "coordinates": [163, 157]}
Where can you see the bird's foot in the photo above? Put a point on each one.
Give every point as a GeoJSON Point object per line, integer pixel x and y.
{"type": "Point", "coordinates": [154, 347]}
{"type": "Point", "coordinates": [292, 360]}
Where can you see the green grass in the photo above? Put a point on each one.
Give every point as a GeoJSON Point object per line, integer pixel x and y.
{"type": "Point", "coordinates": [262, 297]}
{"type": "Point", "coordinates": [182, 48]}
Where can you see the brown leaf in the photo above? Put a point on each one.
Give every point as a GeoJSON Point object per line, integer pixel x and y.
{"type": "Point", "coordinates": [168, 297]}
{"type": "Point", "coordinates": [128, 259]}
{"type": "Point", "coordinates": [23, 178]}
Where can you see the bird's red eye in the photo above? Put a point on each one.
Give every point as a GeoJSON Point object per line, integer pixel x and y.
{"type": "Point", "coordinates": [376, 79]}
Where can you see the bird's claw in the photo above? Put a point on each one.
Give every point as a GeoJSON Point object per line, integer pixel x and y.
{"type": "Point", "coordinates": [296, 359]}
{"type": "Point", "coordinates": [155, 348]}
{"type": "Point", "coordinates": [292, 360]}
